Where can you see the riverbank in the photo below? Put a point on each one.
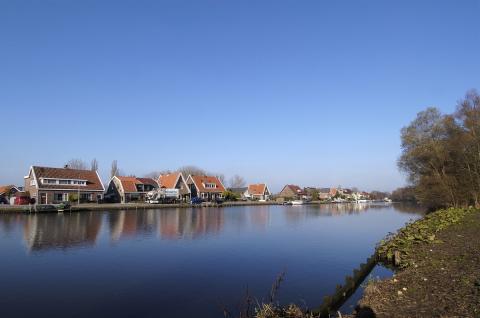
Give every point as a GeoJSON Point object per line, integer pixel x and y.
{"type": "Point", "coordinates": [439, 269]}
{"type": "Point", "coordinates": [131, 206]}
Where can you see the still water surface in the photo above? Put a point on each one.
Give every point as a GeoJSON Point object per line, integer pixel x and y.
{"type": "Point", "coordinates": [183, 262]}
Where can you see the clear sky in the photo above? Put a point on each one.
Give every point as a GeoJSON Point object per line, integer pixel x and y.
{"type": "Point", "coordinates": [306, 92]}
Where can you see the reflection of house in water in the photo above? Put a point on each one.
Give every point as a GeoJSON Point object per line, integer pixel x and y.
{"type": "Point", "coordinates": [190, 223]}
{"type": "Point", "coordinates": [260, 217]}
{"type": "Point", "coordinates": [132, 223]}
{"type": "Point", "coordinates": [52, 231]}
{"type": "Point", "coordinates": [295, 214]}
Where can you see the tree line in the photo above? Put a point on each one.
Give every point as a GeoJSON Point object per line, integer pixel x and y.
{"type": "Point", "coordinates": [441, 155]}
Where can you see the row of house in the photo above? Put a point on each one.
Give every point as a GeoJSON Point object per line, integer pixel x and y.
{"type": "Point", "coordinates": [294, 192]}
{"type": "Point", "coordinates": [48, 185]}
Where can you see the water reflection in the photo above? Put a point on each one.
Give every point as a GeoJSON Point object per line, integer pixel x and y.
{"type": "Point", "coordinates": [50, 231]}
{"type": "Point", "coordinates": [185, 261]}
{"type": "Point", "coordinates": [63, 231]}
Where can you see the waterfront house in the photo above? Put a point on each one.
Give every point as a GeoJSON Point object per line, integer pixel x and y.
{"type": "Point", "coordinates": [54, 185]}
{"type": "Point", "coordinates": [8, 191]}
{"type": "Point", "coordinates": [324, 194]}
{"type": "Point", "coordinates": [177, 181]}
{"type": "Point", "coordinates": [129, 189]}
{"type": "Point", "coordinates": [208, 188]}
{"type": "Point", "coordinates": [258, 192]}
{"type": "Point", "coordinates": [292, 192]}
{"type": "Point", "coordinates": [241, 193]}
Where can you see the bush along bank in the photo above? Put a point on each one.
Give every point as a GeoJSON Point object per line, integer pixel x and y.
{"type": "Point", "coordinates": [438, 269]}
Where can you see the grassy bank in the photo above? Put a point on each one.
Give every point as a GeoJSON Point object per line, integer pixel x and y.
{"type": "Point", "coordinates": [438, 261]}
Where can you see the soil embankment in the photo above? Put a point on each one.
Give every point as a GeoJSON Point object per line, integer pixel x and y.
{"type": "Point", "coordinates": [439, 275]}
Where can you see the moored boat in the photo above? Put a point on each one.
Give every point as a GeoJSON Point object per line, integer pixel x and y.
{"type": "Point", "coordinates": [298, 202]}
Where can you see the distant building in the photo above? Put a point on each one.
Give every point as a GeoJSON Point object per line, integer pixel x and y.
{"type": "Point", "coordinates": [258, 192]}
{"type": "Point", "coordinates": [54, 185]}
{"type": "Point", "coordinates": [291, 191]}
{"type": "Point", "coordinates": [241, 192]}
{"type": "Point", "coordinates": [175, 181]}
{"type": "Point", "coordinates": [208, 188]}
{"type": "Point", "coordinates": [324, 194]}
{"type": "Point", "coordinates": [129, 189]}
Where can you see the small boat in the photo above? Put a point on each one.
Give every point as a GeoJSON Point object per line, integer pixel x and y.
{"type": "Point", "coordinates": [298, 202]}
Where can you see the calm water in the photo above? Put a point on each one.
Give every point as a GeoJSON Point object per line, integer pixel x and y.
{"type": "Point", "coordinates": [182, 262]}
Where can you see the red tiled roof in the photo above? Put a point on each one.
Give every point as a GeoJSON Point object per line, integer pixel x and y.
{"type": "Point", "coordinates": [257, 189]}
{"type": "Point", "coordinates": [129, 184]}
{"type": "Point", "coordinates": [201, 180]}
{"type": "Point", "coordinates": [168, 180]}
{"type": "Point", "coordinates": [93, 181]}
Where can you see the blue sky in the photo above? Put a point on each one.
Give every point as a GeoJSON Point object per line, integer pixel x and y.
{"type": "Point", "coordinates": [305, 92]}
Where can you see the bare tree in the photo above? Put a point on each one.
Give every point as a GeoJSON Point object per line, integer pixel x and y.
{"type": "Point", "coordinates": [192, 170]}
{"type": "Point", "coordinates": [94, 165]}
{"type": "Point", "coordinates": [220, 176]}
{"type": "Point", "coordinates": [237, 182]}
{"type": "Point", "coordinates": [114, 171]}
{"type": "Point", "coordinates": [77, 164]}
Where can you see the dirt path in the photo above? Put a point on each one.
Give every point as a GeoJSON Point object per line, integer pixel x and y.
{"type": "Point", "coordinates": [443, 282]}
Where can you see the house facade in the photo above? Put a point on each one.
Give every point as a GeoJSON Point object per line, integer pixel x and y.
{"type": "Point", "coordinates": [259, 192]}
{"type": "Point", "coordinates": [175, 181]}
{"type": "Point", "coordinates": [55, 185]}
{"type": "Point", "coordinates": [291, 191]}
{"type": "Point", "coordinates": [129, 189]}
{"type": "Point", "coordinates": [208, 188]}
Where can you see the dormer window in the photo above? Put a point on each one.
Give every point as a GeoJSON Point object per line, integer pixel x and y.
{"type": "Point", "coordinates": [210, 185]}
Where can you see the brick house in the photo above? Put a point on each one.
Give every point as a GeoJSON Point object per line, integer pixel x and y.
{"type": "Point", "coordinates": [208, 188]}
{"type": "Point", "coordinates": [54, 185]}
{"type": "Point", "coordinates": [175, 181]}
{"type": "Point", "coordinates": [259, 191]}
{"type": "Point", "coordinates": [129, 189]}
{"type": "Point", "coordinates": [291, 191]}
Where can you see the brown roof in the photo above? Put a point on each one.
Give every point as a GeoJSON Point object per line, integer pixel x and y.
{"type": "Point", "coordinates": [149, 181]}
{"type": "Point", "coordinates": [6, 188]}
{"type": "Point", "coordinates": [257, 189]}
{"type": "Point", "coordinates": [129, 184]}
{"type": "Point", "coordinates": [201, 180]}
{"type": "Point", "coordinates": [168, 180]}
{"type": "Point", "coordinates": [93, 181]}
{"type": "Point", "coordinates": [296, 189]}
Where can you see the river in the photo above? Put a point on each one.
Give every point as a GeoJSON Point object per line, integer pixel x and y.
{"type": "Point", "coordinates": [184, 262]}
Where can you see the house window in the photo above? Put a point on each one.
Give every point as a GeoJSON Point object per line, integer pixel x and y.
{"type": "Point", "coordinates": [58, 197]}
{"type": "Point", "coordinates": [65, 181]}
{"type": "Point", "coordinates": [33, 183]}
